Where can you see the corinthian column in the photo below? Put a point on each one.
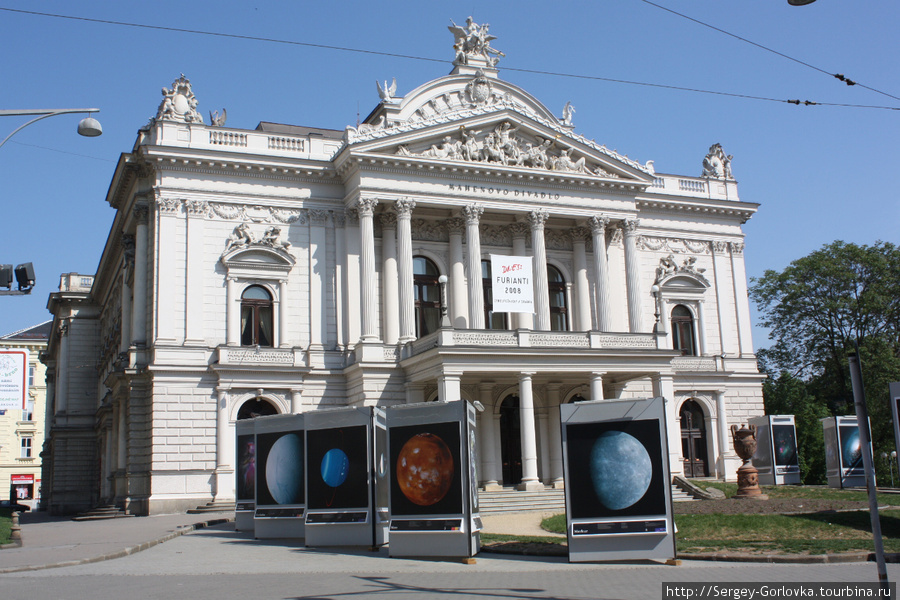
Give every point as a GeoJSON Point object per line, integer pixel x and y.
{"type": "Point", "coordinates": [472, 214]}
{"type": "Point", "coordinates": [459, 311]}
{"type": "Point", "coordinates": [519, 231]}
{"type": "Point", "coordinates": [404, 210]}
{"type": "Point", "coordinates": [632, 275]}
{"type": "Point", "coordinates": [368, 289]}
{"type": "Point", "coordinates": [601, 272]}
{"type": "Point", "coordinates": [537, 219]}
{"type": "Point", "coordinates": [582, 319]}
{"type": "Point", "coordinates": [141, 249]}
{"type": "Point", "coordinates": [390, 283]}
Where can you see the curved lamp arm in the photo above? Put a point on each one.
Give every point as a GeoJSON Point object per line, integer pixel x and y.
{"type": "Point", "coordinates": [43, 115]}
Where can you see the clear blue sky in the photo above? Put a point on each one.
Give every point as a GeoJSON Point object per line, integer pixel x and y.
{"type": "Point", "coordinates": [820, 173]}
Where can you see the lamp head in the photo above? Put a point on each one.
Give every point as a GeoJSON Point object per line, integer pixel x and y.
{"type": "Point", "coordinates": [800, 2]}
{"type": "Point", "coordinates": [89, 127]}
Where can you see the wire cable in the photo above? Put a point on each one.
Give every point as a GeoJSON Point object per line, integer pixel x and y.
{"type": "Point", "coordinates": [422, 58]}
{"type": "Point", "coordinates": [838, 76]}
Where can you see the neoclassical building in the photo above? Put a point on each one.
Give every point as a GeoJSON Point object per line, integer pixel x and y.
{"type": "Point", "coordinates": [285, 269]}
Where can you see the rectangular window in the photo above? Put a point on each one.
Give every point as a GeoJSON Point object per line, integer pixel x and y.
{"type": "Point", "coordinates": [28, 413]}
{"type": "Point", "coordinates": [26, 447]}
{"type": "Point", "coordinates": [31, 370]}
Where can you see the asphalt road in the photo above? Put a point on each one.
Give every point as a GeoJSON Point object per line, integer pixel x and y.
{"type": "Point", "coordinates": [219, 563]}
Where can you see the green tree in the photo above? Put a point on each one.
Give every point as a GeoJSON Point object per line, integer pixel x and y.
{"type": "Point", "coordinates": [841, 299]}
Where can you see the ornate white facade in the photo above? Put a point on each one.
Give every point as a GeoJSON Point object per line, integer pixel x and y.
{"type": "Point", "coordinates": [284, 269]}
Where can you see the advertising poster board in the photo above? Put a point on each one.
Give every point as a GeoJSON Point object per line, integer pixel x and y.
{"type": "Point", "coordinates": [13, 379]}
{"type": "Point", "coordinates": [340, 451]}
{"type": "Point", "coordinates": [280, 477]}
{"type": "Point", "coordinates": [245, 474]}
{"type": "Point", "coordinates": [776, 457]}
{"type": "Point", "coordinates": [615, 513]}
{"type": "Point", "coordinates": [430, 468]}
{"type": "Point", "coordinates": [843, 452]}
{"type": "Point", "coordinates": [512, 284]}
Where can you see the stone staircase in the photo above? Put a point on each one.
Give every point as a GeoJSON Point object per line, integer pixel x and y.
{"type": "Point", "coordinates": [102, 512]}
{"type": "Point", "coordinates": [214, 506]}
{"type": "Point", "coordinates": [510, 500]}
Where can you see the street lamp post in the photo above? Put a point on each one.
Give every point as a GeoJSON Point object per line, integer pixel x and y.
{"type": "Point", "coordinates": [88, 127]}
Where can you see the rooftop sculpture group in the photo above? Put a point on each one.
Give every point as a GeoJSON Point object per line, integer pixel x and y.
{"type": "Point", "coordinates": [474, 41]}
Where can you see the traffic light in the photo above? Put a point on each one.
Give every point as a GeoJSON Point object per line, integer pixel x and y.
{"type": "Point", "coordinates": [25, 276]}
{"type": "Point", "coordinates": [6, 276]}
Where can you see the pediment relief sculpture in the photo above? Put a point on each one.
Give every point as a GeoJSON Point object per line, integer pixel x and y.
{"type": "Point", "coordinates": [179, 103]}
{"type": "Point", "coordinates": [242, 238]}
{"type": "Point", "coordinates": [503, 146]}
{"type": "Point", "coordinates": [669, 268]}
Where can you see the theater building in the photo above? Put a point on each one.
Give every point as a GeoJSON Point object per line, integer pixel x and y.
{"type": "Point", "coordinates": [288, 268]}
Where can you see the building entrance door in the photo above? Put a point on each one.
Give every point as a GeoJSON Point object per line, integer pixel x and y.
{"type": "Point", "coordinates": [693, 440]}
{"type": "Point", "coordinates": [510, 441]}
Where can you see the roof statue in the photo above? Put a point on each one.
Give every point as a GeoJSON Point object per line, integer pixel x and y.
{"type": "Point", "coordinates": [179, 103]}
{"type": "Point", "coordinates": [568, 111]}
{"type": "Point", "coordinates": [385, 92]}
{"type": "Point", "coordinates": [717, 164]}
{"type": "Point", "coordinates": [473, 41]}
{"type": "Point", "coordinates": [217, 120]}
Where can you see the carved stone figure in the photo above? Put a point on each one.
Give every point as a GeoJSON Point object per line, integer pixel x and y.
{"type": "Point", "coordinates": [179, 103]}
{"type": "Point", "coordinates": [239, 238]}
{"type": "Point", "coordinates": [272, 236]}
{"type": "Point", "coordinates": [568, 111]}
{"type": "Point", "coordinates": [479, 90]}
{"type": "Point", "coordinates": [386, 93]}
{"type": "Point", "coordinates": [717, 164]}
{"type": "Point", "coordinates": [473, 41]}
{"type": "Point", "coordinates": [217, 120]}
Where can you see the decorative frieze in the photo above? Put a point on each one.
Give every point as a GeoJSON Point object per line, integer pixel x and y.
{"type": "Point", "coordinates": [477, 338]}
{"type": "Point", "coordinates": [673, 245]}
{"type": "Point", "coordinates": [560, 340]}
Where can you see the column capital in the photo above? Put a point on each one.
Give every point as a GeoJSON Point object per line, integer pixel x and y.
{"type": "Point", "coordinates": [455, 225]}
{"type": "Point", "coordinates": [537, 219]}
{"type": "Point", "coordinates": [519, 230]}
{"type": "Point", "coordinates": [366, 206]}
{"type": "Point", "coordinates": [579, 234]}
{"type": "Point", "coordinates": [141, 212]}
{"type": "Point", "coordinates": [404, 207]}
{"type": "Point", "coordinates": [599, 224]}
{"type": "Point", "coordinates": [472, 213]}
{"type": "Point", "coordinates": [630, 226]}
{"type": "Point", "coordinates": [526, 374]}
{"type": "Point", "coordinates": [737, 247]}
{"type": "Point", "coordinates": [318, 216]}
{"type": "Point", "coordinates": [388, 220]}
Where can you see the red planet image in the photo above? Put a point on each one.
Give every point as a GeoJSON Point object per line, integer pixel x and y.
{"type": "Point", "coordinates": [425, 469]}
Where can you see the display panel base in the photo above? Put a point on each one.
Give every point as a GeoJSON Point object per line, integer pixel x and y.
{"type": "Point", "coordinates": [342, 528]}
{"type": "Point", "coordinates": [243, 520]}
{"type": "Point", "coordinates": [432, 538]}
{"type": "Point", "coordinates": [279, 524]}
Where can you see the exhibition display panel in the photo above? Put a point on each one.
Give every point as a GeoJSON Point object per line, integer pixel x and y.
{"type": "Point", "coordinates": [280, 477]}
{"type": "Point", "coordinates": [618, 497]}
{"type": "Point", "coordinates": [843, 452]}
{"type": "Point", "coordinates": [432, 480]}
{"type": "Point", "coordinates": [776, 457]}
{"type": "Point", "coordinates": [346, 465]}
{"type": "Point", "coordinates": [895, 411]}
{"type": "Point", "coordinates": [245, 475]}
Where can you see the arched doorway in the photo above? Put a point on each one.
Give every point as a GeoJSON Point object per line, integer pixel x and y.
{"type": "Point", "coordinates": [693, 440]}
{"type": "Point", "coordinates": [256, 408]}
{"type": "Point", "coordinates": [510, 441]}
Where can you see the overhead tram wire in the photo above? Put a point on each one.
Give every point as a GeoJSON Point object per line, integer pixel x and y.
{"type": "Point", "coordinates": [838, 76]}
{"type": "Point", "coordinates": [436, 60]}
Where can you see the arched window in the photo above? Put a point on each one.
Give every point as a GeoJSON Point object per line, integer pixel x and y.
{"type": "Point", "coordinates": [257, 407]}
{"type": "Point", "coordinates": [492, 320]}
{"type": "Point", "coordinates": [256, 317]}
{"type": "Point", "coordinates": [427, 294]}
{"type": "Point", "coordinates": [556, 286]}
{"type": "Point", "coordinates": [683, 330]}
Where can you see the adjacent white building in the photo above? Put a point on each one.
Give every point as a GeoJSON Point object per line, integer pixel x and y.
{"type": "Point", "coordinates": [286, 269]}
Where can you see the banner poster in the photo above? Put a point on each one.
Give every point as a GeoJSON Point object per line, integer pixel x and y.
{"type": "Point", "coordinates": [13, 379]}
{"type": "Point", "coordinates": [280, 477]}
{"type": "Point", "coordinates": [338, 468]}
{"type": "Point", "coordinates": [512, 284]}
{"type": "Point", "coordinates": [618, 495]}
{"type": "Point", "coordinates": [246, 471]}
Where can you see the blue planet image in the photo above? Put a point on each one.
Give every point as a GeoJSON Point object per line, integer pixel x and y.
{"type": "Point", "coordinates": [284, 470]}
{"type": "Point", "coordinates": [851, 451]}
{"type": "Point", "coordinates": [621, 469]}
{"type": "Point", "coordinates": [335, 466]}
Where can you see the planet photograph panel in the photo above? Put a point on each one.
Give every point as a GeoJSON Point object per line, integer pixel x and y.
{"type": "Point", "coordinates": [615, 469]}
{"type": "Point", "coordinates": [427, 472]}
{"type": "Point", "coordinates": [338, 468]}
{"type": "Point", "coordinates": [246, 471]}
{"type": "Point", "coordinates": [851, 448]}
{"type": "Point", "coordinates": [280, 472]}
{"type": "Point", "coordinates": [785, 442]}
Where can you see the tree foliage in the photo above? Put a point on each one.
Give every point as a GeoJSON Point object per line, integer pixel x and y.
{"type": "Point", "coordinates": [839, 300]}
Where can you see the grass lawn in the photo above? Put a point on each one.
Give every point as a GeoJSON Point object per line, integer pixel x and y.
{"type": "Point", "coordinates": [5, 524]}
{"type": "Point", "coordinates": [819, 533]}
